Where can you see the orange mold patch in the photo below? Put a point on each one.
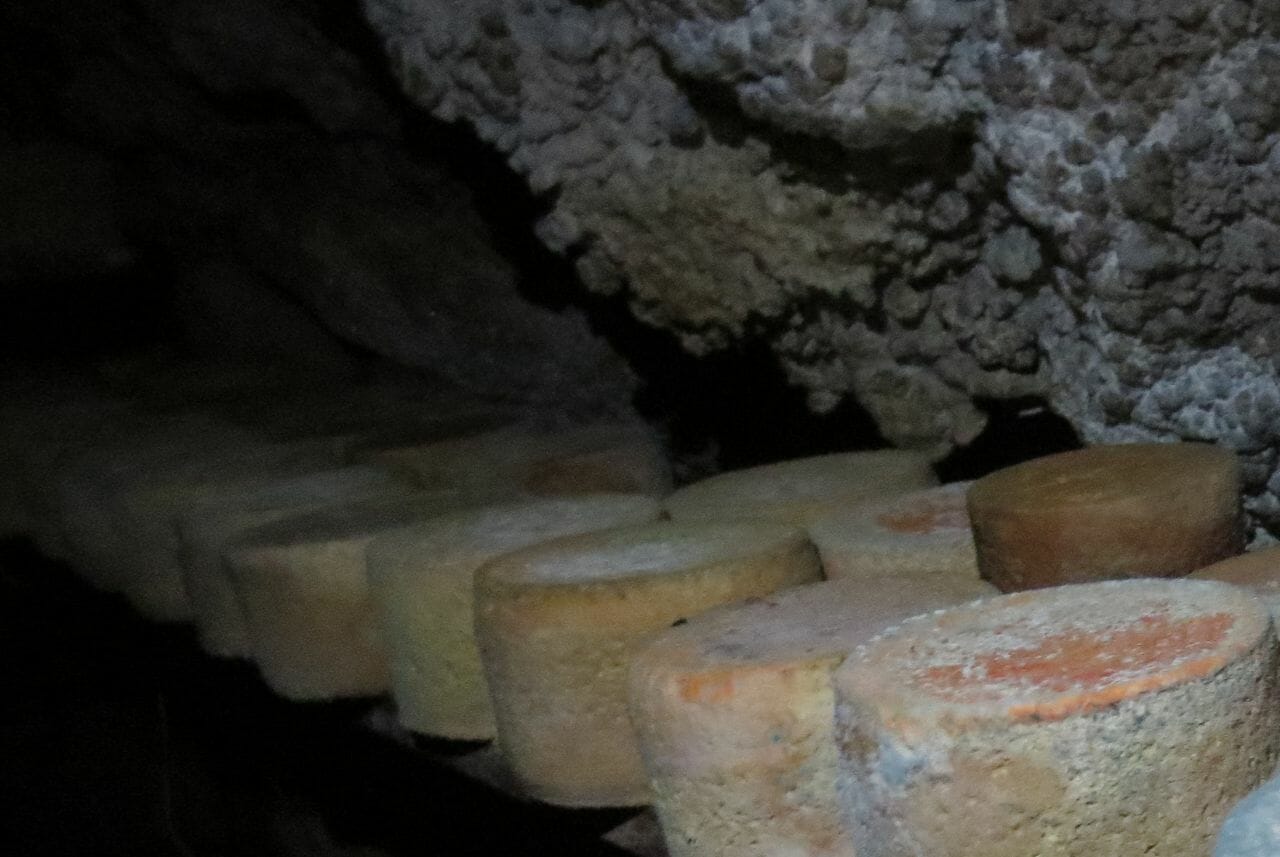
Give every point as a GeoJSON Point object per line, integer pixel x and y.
{"type": "Point", "coordinates": [1085, 670]}
{"type": "Point", "coordinates": [927, 516]}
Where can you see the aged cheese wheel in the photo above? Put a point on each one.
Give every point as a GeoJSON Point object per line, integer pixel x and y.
{"type": "Point", "coordinates": [304, 588]}
{"type": "Point", "coordinates": [734, 712]}
{"type": "Point", "coordinates": [421, 579]}
{"type": "Point", "coordinates": [145, 507]}
{"type": "Point", "coordinates": [1131, 510]}
{"type": "Point", "coordinates": [802, 490]}
{"type": "Point", "coordinates": [213, 522]}
{"type": "Point", "coordinates": [1123, 717]}
{"type": "Point", "coordinates": [558, 624]}
{"type": "Point", "coordinates": [1257, 571]}
{"type": "Point", "coordinates": [924, 532]}
{"type": "Point", "coordinates": [525, 459]}
{"type": "Point", "coordinates": [87, 480]}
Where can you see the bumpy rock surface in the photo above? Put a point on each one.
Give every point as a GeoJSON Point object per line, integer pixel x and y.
{"type": "Point", "coordinates": [915, 202]}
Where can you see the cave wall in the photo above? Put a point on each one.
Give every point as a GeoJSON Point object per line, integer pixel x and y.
{"type": "Point", "coordinates": [916, 203]}
{"type": "Point", "coordinates": [254, 159]}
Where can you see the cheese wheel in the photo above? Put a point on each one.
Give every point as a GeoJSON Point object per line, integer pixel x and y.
{"type": "Point", "coordinates": [1256, 571]}
{"type": "Point", "coordinates": [421, 578]}
{"type": "Point", "coordinates": [215, 521]}
{"type": "Point", "coordinates": [537, 460]}
{"type": "Point", "coordinates": [86, 481]}
{"type": "Point", "coordinates": [558, 624]}
{"type": "Point", "coordinates": [144, 510]}
{"type": "Point", "coordinates": [1252, 829]}
{"type": "Point", "coordinates": [802, 490]}
{"type": "Point", "coordinates": [304, 589]}
{"type": "Point", "coordinates": [734, 712]}
{"type": "Point", "coordinates": [1123, 717]}
{"type": "Point", "coordinates": [1132, 510]}
{"type": "Point", "coordinates": [924, 532]}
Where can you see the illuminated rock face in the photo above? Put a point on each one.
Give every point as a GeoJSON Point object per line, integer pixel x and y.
{"type": "Point", "coordinates": [913, 203]}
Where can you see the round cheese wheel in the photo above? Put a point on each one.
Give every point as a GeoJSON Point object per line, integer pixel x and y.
{"type": "Point", "coordinates": [1132, 510]}
{"type": "Point", "coordinates": [213, 522]}
{"type": "Point", "coordinates": [526, 459]}
{"type": "Point", "coordinates": [802, 490]}
{"type": "Point", "coordinates": [558, 624]}
{"type": "Point", "coordinates": [923, 532]}
{"type": "Point", "coordinates": [1123, 717]}
{"type": "Point", "coordinates": [1258, 571]}
{"type": "Point", "coordinates": [734, 712]}
{"type": "Point", "coordinates": [304, 589]}
{"type": "Point", "coordinates": [145, 507]}
{"type": "Point", "coordinates": [87, 480]}
{"type": "Point", "coordinates": [421, 578]}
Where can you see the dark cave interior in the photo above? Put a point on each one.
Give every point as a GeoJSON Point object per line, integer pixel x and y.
{"type": "Point", "coordinates": [119, 737]}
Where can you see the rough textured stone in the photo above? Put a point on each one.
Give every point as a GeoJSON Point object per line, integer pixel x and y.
{"type": "Point", "coordinates": [914, 203]}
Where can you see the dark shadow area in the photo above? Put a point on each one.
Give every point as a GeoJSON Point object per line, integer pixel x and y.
{"type": "Point", "coordinates": [122, 738]}
{"type": "Point", "coordinates": [1017, 430]}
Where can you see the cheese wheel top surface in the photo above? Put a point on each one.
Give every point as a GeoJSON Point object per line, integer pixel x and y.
{"type": "Point", "coordinates": [803, 482]}
{"type": "Point", "coordinates": [1258, 570]}
{"type": "Point", "coordinates": [316, 488]}
{"type": "Point", "coordinates": [498, 528]}
{"type": "Point", "coordinates": [938, 514]}
{"type": "Point", "coordinates": [356, 520]}
{"type": "Point", "coordinates": [640, 551]}
{"type": "Point", "coordinates": [817, 621]}
{"type": "Point", "coordinates": [1054, 653]}
{"type": "Point", "coordinates": [1104, 475]}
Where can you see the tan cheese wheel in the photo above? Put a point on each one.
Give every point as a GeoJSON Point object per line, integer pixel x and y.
{"type": "Point", "coordinates": [558, 624]}
{"type": "Point", "coordinates": [734, 712]}
{"type": "Point", "coordinates": [537, 460]}
{"type": "Point", "coordinates": [924, 532]}
{"type": "Point", "coordinates": [1258, 571]}
{"type": "Point", "coordinates": [422, 582]}
{"type": "Point", "coordinates": [1114, 718]}
{"type": "Point", "coordinates": [1131, 510]}
{"type": "Point", "coordinates": [302, 582]}
{"type": "Point", "coordinates": [214, 522]}
{"type": "Point", "coordinates": [802, 490]}
{"type": "Point", "coordinates": [144, 511]}
{"type": "Point", "coordinates": [87, 480]}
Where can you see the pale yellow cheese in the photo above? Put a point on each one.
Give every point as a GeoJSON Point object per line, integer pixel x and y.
{"type": "Point", "coordinates": [421, 578]}
{"type": "Point", "coordinates": [923, 532]}
{"type": "Point", "coordinates": [214, 522]}
{"type": "Point", "coordinates": [304, 588]}
{"type": "Point", "coordinates": [801, 490]}
{"type": "Point", "coordinates": [558, 625]}
{"type": "Point", "coordinates": [524, 459]}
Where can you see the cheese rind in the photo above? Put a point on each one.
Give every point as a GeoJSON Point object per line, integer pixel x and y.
{"type": "Point", "coordinates": [558, 625]}
{"type": "Point", "coordinates": [734, 713]}
{"type": "Point", "coordinates": [532, 460]}
{"type": "Point", "coordinates": [801, 490]}
{"type": "Point", "coordinates": [1257, 571]}
{"type": "Point", "coordinates": [1130, 510]}
{"type": "Point", "coordinates": [1109, 718]}
{"type": "Point", "coordinates": [421, 578]}
{"type": "Point", "coordinates": [303, 585]}
{"type": "Point", "coordinates": [924, 532]}
{"type": "Point", "coordinates": [215, 521]}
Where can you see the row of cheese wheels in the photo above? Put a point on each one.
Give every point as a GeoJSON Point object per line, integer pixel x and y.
{"type": "Point", "coordinates": [488, 607]}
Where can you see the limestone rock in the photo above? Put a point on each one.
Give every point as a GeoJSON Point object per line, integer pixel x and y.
{"type": "Point", "coordinates": [913, 203]}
